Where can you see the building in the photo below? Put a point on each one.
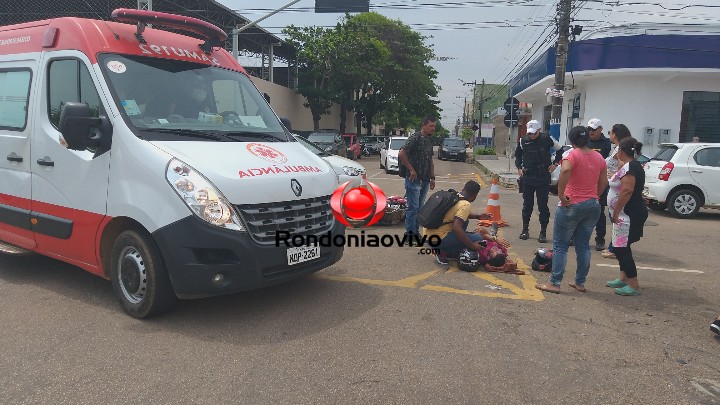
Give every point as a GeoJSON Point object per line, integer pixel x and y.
{"type": "Point", "coordinates": [662, 81]}
{"type": "Point", "coordinates": [276, 81]}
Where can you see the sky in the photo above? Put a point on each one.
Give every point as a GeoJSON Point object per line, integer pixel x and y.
{"type": "Point", "coordinates": [488, 39]}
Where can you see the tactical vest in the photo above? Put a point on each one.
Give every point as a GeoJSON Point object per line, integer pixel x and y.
{"type": "Point", "coordinates": [535, 154]}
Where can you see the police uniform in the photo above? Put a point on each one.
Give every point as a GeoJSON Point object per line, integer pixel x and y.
{"type": "Point", "coordinates": [532, 156]}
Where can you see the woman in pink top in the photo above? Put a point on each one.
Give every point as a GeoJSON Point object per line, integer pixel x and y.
{"type": "Point", "coordinates": [583, 177]}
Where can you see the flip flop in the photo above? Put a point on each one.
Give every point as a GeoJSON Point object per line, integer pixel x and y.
{"type": "Point", "coordinates": [548, 288]}
{"type": "Point", "coordinates": [516, 272]}
{"type": "Point", "coordinates": [580, 288]}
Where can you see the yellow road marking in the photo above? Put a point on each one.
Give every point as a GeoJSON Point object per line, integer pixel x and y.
{"type": "Point", "coordinates": [480, 180]}
{"type": "Point", "coordinates": [409, 282]}
{"type": "Point", "coordinates": [525, 292]}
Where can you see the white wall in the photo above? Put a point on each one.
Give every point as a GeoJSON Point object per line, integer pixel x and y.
{"type": "Point", "coordinates": [288, 104]}
{"type": "Point", "coordinates": [636, 99]}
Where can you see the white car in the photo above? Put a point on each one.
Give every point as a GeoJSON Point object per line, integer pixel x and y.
{"type": "Point", "coordinates": [555, 175]}
{"type": "Point", "coordinates": [346, 169]}
{"type": "Point", "coordinates": [683, 177]}
{"type": "Point", "coordinates": [389, 153]}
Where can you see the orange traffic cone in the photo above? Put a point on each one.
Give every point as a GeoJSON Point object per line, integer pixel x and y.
{"type": "Point", "coordinates": [493, 207]}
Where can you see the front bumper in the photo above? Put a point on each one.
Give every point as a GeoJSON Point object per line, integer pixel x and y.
{"type": "Point", "coordinates": [354, 180]}
{"type": "Point", "coordinates": [194, 251]}
{"type": "Point", "coordinates": [392, 165]}
{"type": "Point", "coordinates": [453, 155]}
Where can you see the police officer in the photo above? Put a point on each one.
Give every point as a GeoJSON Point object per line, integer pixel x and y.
{"type": "Point", "coordinates": [598, 142]}
{"type": "Point", "coordinates": [532, 159]}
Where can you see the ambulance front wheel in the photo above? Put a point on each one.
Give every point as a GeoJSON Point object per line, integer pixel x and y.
{"type": "Point", "coordinates": [139, 277]}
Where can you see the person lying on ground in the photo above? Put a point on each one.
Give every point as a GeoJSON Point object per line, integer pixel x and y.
{"type": "Point", "coordinates": [453, 233]}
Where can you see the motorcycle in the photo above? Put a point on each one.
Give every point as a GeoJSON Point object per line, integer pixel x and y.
{"type": "Point", "coordinates": [368, 150]}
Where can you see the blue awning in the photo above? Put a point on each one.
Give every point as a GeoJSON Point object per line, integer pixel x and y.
{"type": "Point", "coordinates": [627, 52]}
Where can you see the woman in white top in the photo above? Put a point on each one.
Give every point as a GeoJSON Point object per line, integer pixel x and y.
{"type": "Point", "coordinates": [617, 134]}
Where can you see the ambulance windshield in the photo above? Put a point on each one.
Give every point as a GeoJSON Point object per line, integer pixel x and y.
{"type": "Point", "coordinates": [165, 99]}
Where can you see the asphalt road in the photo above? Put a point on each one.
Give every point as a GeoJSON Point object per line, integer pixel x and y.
{"type": "Point", "coordinates": [384, 325]}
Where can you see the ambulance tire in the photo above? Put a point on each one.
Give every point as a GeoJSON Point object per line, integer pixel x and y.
{"type": "Point", "coordinates": [139, 278]}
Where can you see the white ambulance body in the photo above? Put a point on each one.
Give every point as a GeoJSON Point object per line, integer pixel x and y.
{"type": "Point", "coordinates": [149, 158]}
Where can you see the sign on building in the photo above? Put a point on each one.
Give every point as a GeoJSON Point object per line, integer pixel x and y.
{"type": "Point", "coordinates": [576, 106]}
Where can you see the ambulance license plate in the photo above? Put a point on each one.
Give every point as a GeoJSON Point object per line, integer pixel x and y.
{"type": "Point", "coordinates": [302, 254]}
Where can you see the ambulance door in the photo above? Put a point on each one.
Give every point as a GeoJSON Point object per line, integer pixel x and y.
{"type": "Point", "coordinates": [69, 187]}
{"type": "Point", "coordinates": [15, 127]}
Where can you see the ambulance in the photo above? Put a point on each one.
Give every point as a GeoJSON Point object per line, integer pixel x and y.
{"type": "Point", "coordinates": [149, 158]}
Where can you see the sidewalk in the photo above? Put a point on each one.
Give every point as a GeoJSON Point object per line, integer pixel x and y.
{"type": "Point", "coordinates": [507, 177]}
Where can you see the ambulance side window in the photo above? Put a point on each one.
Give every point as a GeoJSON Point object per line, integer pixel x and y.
{"type": "Point", "coordinates": [69, 80]}
{"type": "Point", "coordinates": [14, 95]}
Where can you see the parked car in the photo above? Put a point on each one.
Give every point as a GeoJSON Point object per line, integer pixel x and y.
{"type": "Point", "coordinates": [555, 175]}
{"type": "Point", "coordinates": [353, 150]}
{"type": "Point", "coordinates": [346, 169]}
{"type": "Point", "coordinates": [389, 153]}
{"type": "Point", "coordinates": [328, 140]}
{"type": "Point", "coordinates": [373, 143]}
{"type": "Point", "coordinates": [683, 177]}
{"type": "Point", "coordinates": [452, 148]}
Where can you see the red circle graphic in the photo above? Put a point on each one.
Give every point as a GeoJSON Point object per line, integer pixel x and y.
{"type": "Point", "coordinates": [358, 203]}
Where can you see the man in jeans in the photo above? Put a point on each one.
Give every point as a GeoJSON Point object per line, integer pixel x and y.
{"type": "Point", "coordinates": [416, 162]}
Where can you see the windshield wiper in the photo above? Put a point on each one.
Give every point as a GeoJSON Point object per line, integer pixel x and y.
{"type": "Point", "coordinates": [259, 135]}
{"type": "Point", "coordinates": [194, 133]}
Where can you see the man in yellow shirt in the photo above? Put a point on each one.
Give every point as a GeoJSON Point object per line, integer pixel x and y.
{"type": "Point", "coordinates": [453, 233]}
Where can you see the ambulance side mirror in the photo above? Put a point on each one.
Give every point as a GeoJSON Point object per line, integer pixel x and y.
{"type": "Point", "coordinates": [286, 122]}
{"type": "Point", "coordinates": [76, 126]}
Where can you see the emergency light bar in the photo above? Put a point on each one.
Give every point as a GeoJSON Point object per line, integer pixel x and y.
{"type": "Point", "coordinates": [213, 35]}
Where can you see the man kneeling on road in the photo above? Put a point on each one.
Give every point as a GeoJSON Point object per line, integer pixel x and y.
{"type": "Point", "coordinates": [454, 236]}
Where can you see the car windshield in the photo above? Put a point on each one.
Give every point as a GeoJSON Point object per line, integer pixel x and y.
{"type": "Point", "coordinates": [311, 146]}
{"type": "Point", "coordinates": [665, 153]}
{"type": "Point", "coordinates": [316, 137]}
{"type": "Point", "coordinates": [165, 99]}
{"type": "Point", "coordinates": [454, 142]}
{"type": "Point", "coordinates": [396, 144]}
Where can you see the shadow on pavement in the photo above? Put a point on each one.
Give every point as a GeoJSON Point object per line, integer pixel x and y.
{"type": "Point", "coordinates": [280, 313]}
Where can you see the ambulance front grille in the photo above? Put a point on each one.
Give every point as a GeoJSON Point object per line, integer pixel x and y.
{"type": "Point", "coordinates": [303, 217]}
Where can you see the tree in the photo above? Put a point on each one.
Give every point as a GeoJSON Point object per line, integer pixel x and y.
{"type": "Point", "coordinates": [398, 85]}
{"type": "Point", "coordinates": [466, 133]}
{"type": "Point", "coordinates": [357, 63]}
{"type": "Point", "coordinates": [315, 52]}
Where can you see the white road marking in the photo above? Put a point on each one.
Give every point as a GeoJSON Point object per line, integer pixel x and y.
{"type": "Point", "coordinates": [709, 384]}
{"type": "Point", "coordinates": [654, 268]}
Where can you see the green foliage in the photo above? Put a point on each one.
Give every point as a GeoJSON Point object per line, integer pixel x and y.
{"type": "Point", "coordinates": [316, 50]}
{"type": "Point", "coordinates": [440, 131]}
{"type": "Point", "coordinates": [484, 151]}
{"type": "Point", "coordinates": [466, 133]}
{"type": "Point", "coordinates": [369, 63]}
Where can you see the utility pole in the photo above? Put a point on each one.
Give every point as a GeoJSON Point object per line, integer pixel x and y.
{"type": "Point", "coordinates": [480, 107]}
{"type": "Point", "coordinates": [472, 109]}
{"type": "Point", "coordinates": [564, 9]}
{"type": "Point", "coordinates": [464, 107]}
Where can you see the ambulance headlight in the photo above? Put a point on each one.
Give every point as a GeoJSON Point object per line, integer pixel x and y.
{"type": "Point", "coordinates": [203, 199]}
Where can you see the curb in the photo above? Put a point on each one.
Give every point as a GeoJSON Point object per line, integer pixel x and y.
{"type": "Point", "coordinates": [505, 180]}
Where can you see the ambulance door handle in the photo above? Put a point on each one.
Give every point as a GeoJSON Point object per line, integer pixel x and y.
{"type": "Point", "coordinates": [46, 161]}
{"type": "Point", "coordinates": [14, 158]}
